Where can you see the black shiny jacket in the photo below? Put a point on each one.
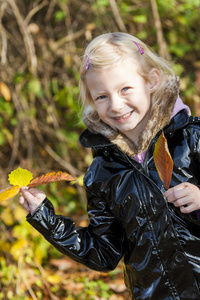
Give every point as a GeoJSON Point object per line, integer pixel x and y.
{"type": "Point", "coordinates": [130, 217]}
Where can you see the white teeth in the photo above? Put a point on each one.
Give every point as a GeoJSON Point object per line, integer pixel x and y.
{"type": "Point", "coordinates": [124, 116]}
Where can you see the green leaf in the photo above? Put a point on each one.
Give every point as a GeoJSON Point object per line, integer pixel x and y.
{"type": "Point", "coordinates": [59, 15]}
{"type": "Point", "coordinates": [34, 87]}
{"type": "Point", "coordinates": [140, 19]}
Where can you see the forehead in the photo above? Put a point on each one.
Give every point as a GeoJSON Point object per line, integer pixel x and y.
{"type": "Point", "coordinates": [108, 80]}
{"type": "Point", "coordinates": [122, 70]}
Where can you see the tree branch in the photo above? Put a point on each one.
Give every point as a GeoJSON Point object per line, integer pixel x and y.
{"type": "Point", "coordinates": [26, 36]}
{"type": "Point", "coordinates": [3, 35]}
{"type": "Point", "coordinates": [117, 16]}
{"type": "Point", "coordinates": [163, 50]}
{"type": "Point", "coordinates": [34, 11]}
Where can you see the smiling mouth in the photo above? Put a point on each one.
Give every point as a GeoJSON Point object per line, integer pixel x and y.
{"type": "Point", "coordinates": [124, 116]}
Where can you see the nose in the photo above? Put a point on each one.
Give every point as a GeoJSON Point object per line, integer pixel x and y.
{"type": "Point", "coordinates": [116, 103]}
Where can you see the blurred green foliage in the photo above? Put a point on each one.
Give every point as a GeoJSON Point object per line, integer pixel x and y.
{"type": "Point", "coordinates": [41, 43]}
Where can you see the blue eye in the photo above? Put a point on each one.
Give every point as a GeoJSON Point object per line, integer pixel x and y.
{"type": "Point", "coordinates": [101, 97]}
{"type": "Point", "coordinates": [125, 89]}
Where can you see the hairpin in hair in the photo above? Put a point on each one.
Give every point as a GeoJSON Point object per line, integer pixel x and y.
{"type": "Point", "coordinates": [139, 47]}
{"type": "Point", "coordinates": [88, 61]}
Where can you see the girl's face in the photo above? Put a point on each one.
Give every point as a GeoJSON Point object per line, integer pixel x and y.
{"type": "Point", "coordinates": [122, 97]}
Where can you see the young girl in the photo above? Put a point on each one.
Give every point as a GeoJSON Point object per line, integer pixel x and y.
{"type": "Point", "coordinates": [130, 96]}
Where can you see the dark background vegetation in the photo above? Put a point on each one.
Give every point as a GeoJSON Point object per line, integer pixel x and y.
{"type": "Point", "coordinates": [41, 43]}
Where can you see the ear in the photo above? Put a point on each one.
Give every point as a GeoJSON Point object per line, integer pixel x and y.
{"type": "Point", "coordinates": [154, 79]}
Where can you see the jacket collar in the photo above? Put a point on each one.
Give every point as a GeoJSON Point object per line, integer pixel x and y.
{"type": "Point", "coordinates": [89, 139]}
{"type": "Point", "coordinates": [178, 121]}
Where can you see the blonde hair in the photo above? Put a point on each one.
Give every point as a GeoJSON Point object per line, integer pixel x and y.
{"type": "Point", "coordinates": [109, 48]}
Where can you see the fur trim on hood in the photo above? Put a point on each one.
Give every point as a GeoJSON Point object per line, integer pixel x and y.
{"type": "Point", "coordinates": [160, 117]}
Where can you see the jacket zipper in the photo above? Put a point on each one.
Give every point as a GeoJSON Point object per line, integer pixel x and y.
{"type": "Point", "coordinates": [173, 288]}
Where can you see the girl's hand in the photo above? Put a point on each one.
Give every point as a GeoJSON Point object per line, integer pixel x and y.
{"type": "Point", "coordinates": [186, 196]}
{"type": "Point", "coordinates": [31, 198]}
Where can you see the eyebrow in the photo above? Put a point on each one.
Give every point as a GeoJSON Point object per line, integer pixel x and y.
{"type": "Point", "coordinates": [121, 84]}
{"type": "Point", "coordinates": [125, 83]}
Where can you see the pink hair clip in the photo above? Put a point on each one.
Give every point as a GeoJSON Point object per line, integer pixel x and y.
{"type": "Point", "coordinates": [88, 61]}
{"type": "Point", "coordinates": [139, 47]}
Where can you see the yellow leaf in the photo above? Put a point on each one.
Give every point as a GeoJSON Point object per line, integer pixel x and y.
{"type": "Point", "coordinates": [23, 230]}
{"type": "Point", "coordinates": [17, 248]}
{"type": "Point", "coordinates": [4, 91]}
{"type": "Point", "coordinates": [54, 278]}
{"type": "Point", "coordinates": [9, 193]}
{"type": "Point", "coordinates": [7, 217]}
{"type": "Point", "coordinates": [4, 203]}
{"type": "Point", "coordinates": [20, 214]}
{"type": "Point", "coordinates": [80, 180]}
{"type": "Point", "coordinates": [20, 177]}
{"type": "Point", "coordinates": [71, 190]}
{"type": "Point", "coordinates": [4, 247]}
{"type": "Point", "coordinates": [38, 255]}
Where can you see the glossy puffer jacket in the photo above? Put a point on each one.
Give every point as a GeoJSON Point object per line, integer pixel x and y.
{"type": "Point", "coordinates": [130, 217]}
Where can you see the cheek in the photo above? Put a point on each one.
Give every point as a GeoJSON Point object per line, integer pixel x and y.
{"type": "Point", "coordinates": [148, 105]}
{"type": "Point", "coordinates": [147, 98]}
{"type": "Point", "coordinates": [145, 105]}
{"type": "Point", "coordinates": [101, 109]}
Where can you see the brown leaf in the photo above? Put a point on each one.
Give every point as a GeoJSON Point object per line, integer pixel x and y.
{"type": "Point", "coordinates": [163, 161]}
{"type": "Point", "coordinates": [50, 177]}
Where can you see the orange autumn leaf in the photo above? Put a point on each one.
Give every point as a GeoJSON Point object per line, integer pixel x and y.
{"type": "Point", "coordinates": [50, 177]}
{"type": "Point", "coordinates": [163, 161]}
{"type": "Point", "coordinates": [9, 192]}
{"type": "Point", "coordinates": [22, 177]}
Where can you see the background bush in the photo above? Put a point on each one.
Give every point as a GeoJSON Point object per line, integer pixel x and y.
{"type": "Point", "coordinates": [41, 43]}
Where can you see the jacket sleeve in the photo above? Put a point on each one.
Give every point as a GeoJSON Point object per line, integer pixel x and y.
{"type": "Point", "coordinates": [98, 246]}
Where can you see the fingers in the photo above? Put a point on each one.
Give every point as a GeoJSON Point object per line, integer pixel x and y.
{"type": "Point", "coordinates": [31, 198]}
{"type": "Point", "coordinates": [186, 196]}
{"type": "Point", "coordinates": [33, 194]}
{"type": "Point", "coordinates": [175, 193]}
{"type": "Point", "coordinates": [27, 195]}
{"type": "Point", "coordinates": [37, 193]}
{"type": "Point", "coordinates": [26, 206]}
{"type": "Point", "coordinates": [184, 191]}
{"type": "Point", "coordinates": [188, 208]}
{"type": "Point", "coordinates": [21, 200]}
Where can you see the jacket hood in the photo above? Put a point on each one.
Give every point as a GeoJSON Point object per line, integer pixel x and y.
{"type": "Point", "coordinates": [160, 117]}
{"type": "Point", "coordinates": [179, 105]}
